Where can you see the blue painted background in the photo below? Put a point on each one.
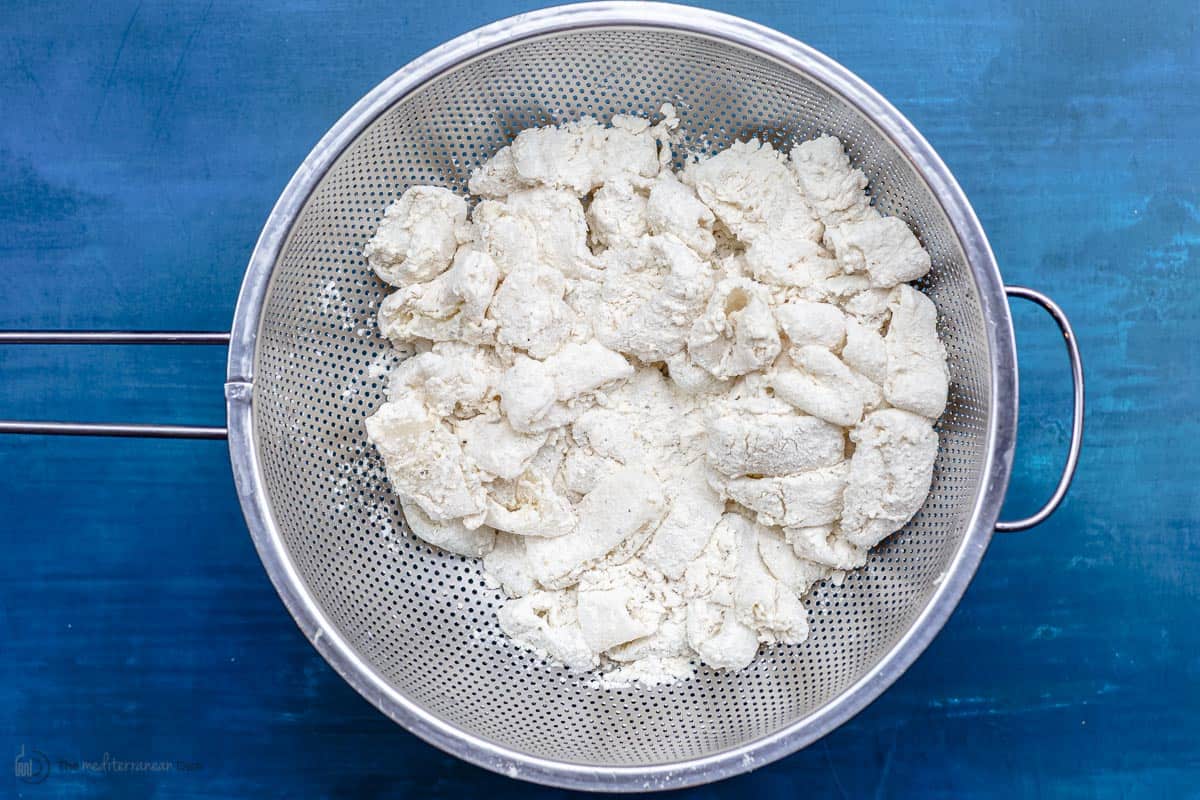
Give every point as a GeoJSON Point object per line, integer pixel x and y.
{"type": "Point", "coordinates": [141, 147]}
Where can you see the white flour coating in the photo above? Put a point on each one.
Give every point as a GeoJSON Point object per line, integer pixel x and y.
{"type": "Point", "coordinates": [659, 406]}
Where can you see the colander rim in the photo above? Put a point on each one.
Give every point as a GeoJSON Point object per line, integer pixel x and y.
{"type": "Point", "coordinates": [246, 461]}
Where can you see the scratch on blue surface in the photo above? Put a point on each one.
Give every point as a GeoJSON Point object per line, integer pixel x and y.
{"type": "Point", "coordinates": [112, 72]}
{"type": "Point", "coordinates": [885, 770]}
{"type": "Point", "coordinates": [177, 74]}
{"type": "Point", "coordinates": [833, 771]}
{"type": "Point", "coordinates": [967, 707]}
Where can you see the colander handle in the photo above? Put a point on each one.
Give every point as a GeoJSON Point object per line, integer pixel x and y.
{"type": "Point", "coordinates": [1068, 472]}
{"type": "Point", "coordinates": [103, 428]}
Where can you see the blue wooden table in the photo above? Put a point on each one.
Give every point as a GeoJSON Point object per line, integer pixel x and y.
{"type": "Point", "coordinates": [141, 147]}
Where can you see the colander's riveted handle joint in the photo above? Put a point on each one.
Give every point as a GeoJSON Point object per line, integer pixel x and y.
{"type": "Point", "coordinates": [1068, 472]}
{"type": "Point", "coordinates": [104, 428]}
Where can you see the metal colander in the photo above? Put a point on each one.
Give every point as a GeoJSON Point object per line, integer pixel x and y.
{"type": "Point", "coordinates": [413, 628]}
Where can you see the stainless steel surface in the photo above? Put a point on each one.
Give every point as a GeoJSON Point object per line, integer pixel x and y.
{"type": "Point", "coordinates": [119, 430]}
{"type": "Point", "coordinates": [112, 429]}
{"type": "Point", "coordinates": [413, 629]}
{"type": "Point", "coordinates": [113, 337]}
{"type": "Point", "coordinates": [1077, 407]}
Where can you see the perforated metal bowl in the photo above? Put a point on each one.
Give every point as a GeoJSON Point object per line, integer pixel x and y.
{"type": "Point", "coordinates": [413, 628]}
